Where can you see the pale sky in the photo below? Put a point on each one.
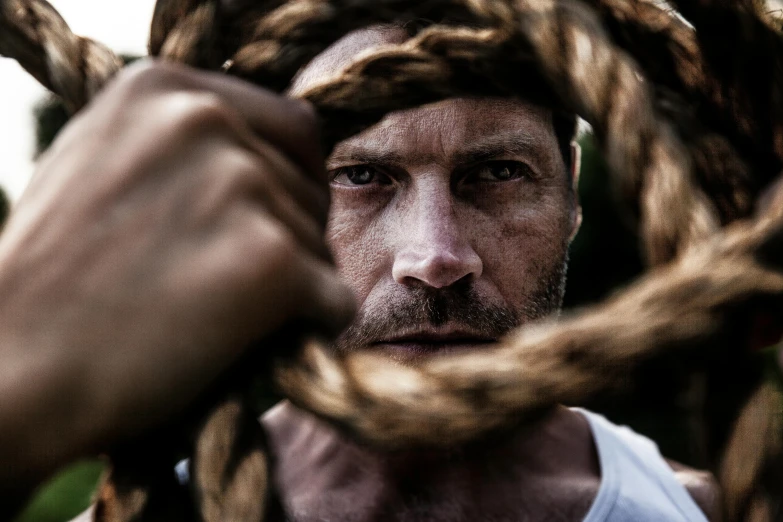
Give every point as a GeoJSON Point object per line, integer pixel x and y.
{"type": "Point", "coordinates": [122, 25]}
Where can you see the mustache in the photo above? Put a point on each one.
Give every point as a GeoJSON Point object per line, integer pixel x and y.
{"type": "Point", "coordinates": [425, 306]}
{"type": "Point", "coordinates": [407, 308]}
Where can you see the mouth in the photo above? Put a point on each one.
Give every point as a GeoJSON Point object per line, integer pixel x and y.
{"type": "Point", "coordinates": [425, 342]}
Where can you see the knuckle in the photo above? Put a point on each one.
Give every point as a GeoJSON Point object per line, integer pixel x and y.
{"type": "Point", "coordinates": [269, 251]}
{"type": "Point", "coordinates": [279, 246]}
{"type": "Point", "coordinates": [148, 76]}
{"type": "Point", "coordinates": [208, 108]}
{"type": "Point", "coordinates": [194, 112]}
{"type": "Point", "coordinates": [238, 177]}
{"type": "Point", "coordinates": [243, 165]}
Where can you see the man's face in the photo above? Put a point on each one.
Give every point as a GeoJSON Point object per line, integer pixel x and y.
{"type": "Point", "coordinates": [450, 222]}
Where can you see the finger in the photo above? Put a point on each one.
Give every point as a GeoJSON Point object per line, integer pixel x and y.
{"type": "Point", "coordinates": [290, 125]}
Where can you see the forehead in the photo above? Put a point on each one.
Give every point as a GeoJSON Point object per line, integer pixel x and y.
{"type": "Point", "coordinates": [447, 131]}
{"type": "Point", "coordinates": [449, 124]}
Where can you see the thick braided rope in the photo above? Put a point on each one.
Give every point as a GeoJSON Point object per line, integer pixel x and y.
{"type": "Point", "coordinates": [701, 93]}
{"type": "Point", "coordinates": [665, 47]}
{"type": "Point", "coordinates": [634, 140]}
{"type": "Point", "coordinates": [738, 267]}
{"type": "Point", "coordinates": [73, 67]}
{"type": "Point", "coordinates": [285, 39]}
{"type": "Point", "coordinates": [172, 17]}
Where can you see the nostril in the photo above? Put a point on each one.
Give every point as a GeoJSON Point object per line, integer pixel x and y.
{"type": "Point", "coordinates": [437, 270]}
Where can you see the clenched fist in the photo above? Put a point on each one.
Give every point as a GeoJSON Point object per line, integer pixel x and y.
{"type": "Point", "coordinates": [178, 218]}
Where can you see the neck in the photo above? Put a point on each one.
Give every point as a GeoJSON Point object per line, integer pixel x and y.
{"type": "Point", "coordinates": [321, 470]}
{"type": "Point", "coordinates": [293, 430]}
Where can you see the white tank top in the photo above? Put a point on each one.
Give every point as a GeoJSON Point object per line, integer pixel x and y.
{"type": "Point", "coordinates": [637, 485]}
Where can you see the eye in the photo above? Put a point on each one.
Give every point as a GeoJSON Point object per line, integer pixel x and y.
{"type": "Point", "coordinates": [495, 171]}
{"type": "Point", "coordinates": [359, 175]}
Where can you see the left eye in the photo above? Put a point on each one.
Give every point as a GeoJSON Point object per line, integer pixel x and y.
{"type": "Point", "coordinates": [500, 171]}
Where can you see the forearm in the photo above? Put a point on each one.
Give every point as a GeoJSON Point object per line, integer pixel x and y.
{"type": "Point", "coordinates": [24, 466]}
{"type": "Point", "coordinates": [41, 424]}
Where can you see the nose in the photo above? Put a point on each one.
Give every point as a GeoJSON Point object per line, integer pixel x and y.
{"type": "Point", "coordinates": [434, 249]}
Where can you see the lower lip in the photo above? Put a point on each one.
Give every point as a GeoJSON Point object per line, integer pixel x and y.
{"type": "Point", "coordinates": [415, 348]}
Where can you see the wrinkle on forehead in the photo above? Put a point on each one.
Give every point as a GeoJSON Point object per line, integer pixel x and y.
{"type": "Point", "coordinates": [451, 131]}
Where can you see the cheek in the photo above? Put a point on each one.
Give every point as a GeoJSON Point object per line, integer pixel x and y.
{"type": "Point", "coordinates": [520, 244]}
{"type": "Point", "coordinates": [358, 240]}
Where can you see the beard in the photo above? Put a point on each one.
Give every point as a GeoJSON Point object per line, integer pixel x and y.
{"type": "Point", "coordinates": [412, 308]}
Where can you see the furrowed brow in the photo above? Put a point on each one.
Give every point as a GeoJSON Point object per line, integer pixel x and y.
{"type": "Point", "coordinates": [497, 146]}
{"type": "Point", "coordinates": [354, 155]}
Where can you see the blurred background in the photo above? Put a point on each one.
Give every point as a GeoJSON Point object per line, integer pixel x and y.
{"type": "Point", "coordinates": [604, 256]}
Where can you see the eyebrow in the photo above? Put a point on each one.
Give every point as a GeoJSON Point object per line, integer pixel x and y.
{"type": "Point", "coordinates": [482, 149]}
{"type": "Point", "coordinates": [497, 145]}
{"type": "Point", "coordinates": [361, 155]}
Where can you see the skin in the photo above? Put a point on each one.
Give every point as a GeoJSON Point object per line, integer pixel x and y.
{"type": "Point", "coordinates": [176, 198]}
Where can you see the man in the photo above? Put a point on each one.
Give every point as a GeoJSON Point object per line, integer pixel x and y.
{"type": "Point", "coordinates": [181, 216]}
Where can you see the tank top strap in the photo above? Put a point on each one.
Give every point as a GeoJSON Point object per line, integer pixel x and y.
{"type": "Point", "coordinates": [609, 462]}
{"type": "Point", "coordinates": [631, 462]}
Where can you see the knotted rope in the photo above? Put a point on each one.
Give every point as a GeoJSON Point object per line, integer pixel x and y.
{"type": "Point", "coordinates": [691, 138]}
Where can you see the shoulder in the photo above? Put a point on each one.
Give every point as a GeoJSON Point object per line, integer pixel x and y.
{"type": "Point", "coordinates": [702, 487]}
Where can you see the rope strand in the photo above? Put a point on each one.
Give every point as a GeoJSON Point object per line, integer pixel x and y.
{"type": "Point", "coordinates": [75, 68]}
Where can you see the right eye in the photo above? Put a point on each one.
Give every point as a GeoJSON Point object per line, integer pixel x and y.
{"type": "Point", "coordinates": [359, 175]}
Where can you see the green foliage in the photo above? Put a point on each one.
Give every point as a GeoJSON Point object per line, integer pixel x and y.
{"type": "Point", "coordinates": [64, 496]}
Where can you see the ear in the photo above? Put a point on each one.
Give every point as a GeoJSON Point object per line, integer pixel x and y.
{"type": "Point", "coordinates": [576, 167]}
